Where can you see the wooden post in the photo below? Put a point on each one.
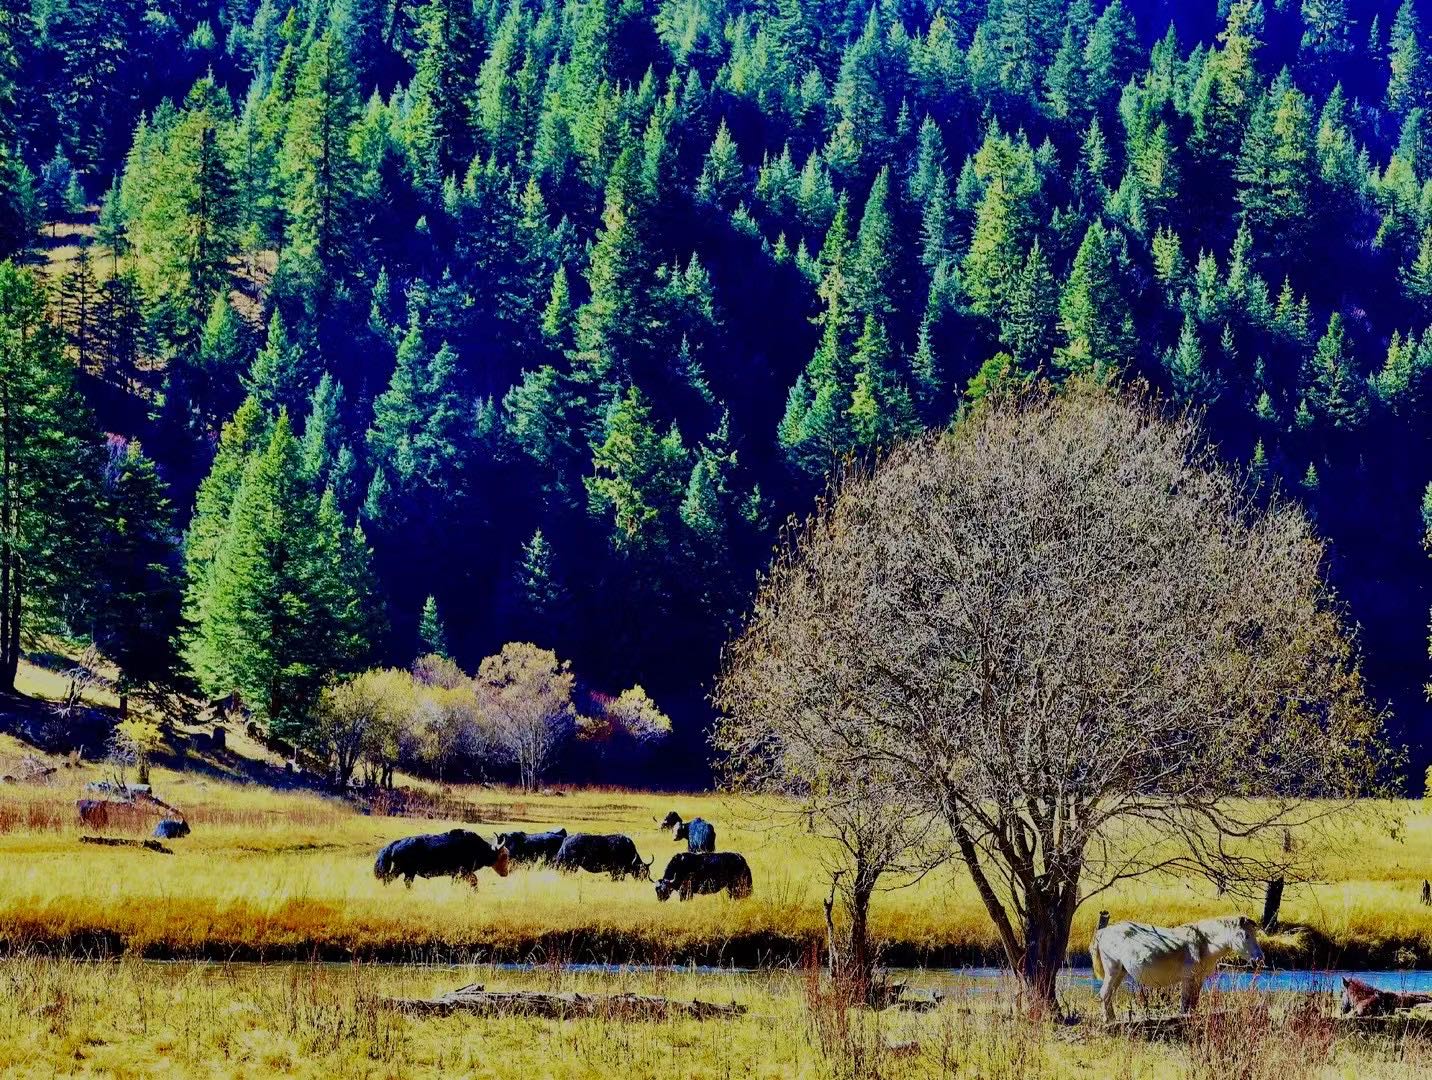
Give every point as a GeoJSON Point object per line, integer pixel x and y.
{"type": "Point", "coordinates": [1427, 893]}
{"type": "Point", "coordinates": [1103, 919]}
{"type": "Point", "coordinates": [1271, 903]}
{"type": "Point", "coordinates": [832, 953]}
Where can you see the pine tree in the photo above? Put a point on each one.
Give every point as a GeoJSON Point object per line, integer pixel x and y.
{"type": "Point", "coordinates": [637, 476]}
{"type": "Point", "coordinates": [187, 214]}
{"type": "Point", "coordinates": [432, 635]}
{"type": "Point", "coordinates": [1004, 224]}
{"type": "Point", "coordinates": [318, 165]}
{"type": "Point", "coordinates": [1327, 34]}
{"type": "Point", "coordinates": [1094, 316]}
{"type": "Point", "coordinates": [445, 88]}
{"type": "Point", "coordinates": [1111, 53]}
{"type": "Point", "coordinates": [1410, 80]}
{"type": "Point", "coordinates": [1187, 367]}
{"type": "Point", "coordinates": [614, 326]}
{"type": "Point", "coordinates": [871, 284]}
{"type": "Point", "coordinates": [558, 319]}
{"type": "Point", "coordinates": [46, 494]}
{"type": "Point", "coordinates": [79, 295]}
{"type": "Point", "coordinates": [1277, 171]}
{"type": "Point", "coordinates": [1329, 383]}
{"type": "Point", "coordinates": [136, 620]}
{"type": "Point", "coordinates": [286, 603]}
{"type": "Point", "coordinates": [881, 409]}
{"type": "Point", "coordinates": [119, 318]}
{"type": "Point", "coordinates": [1029, 330]}
{"type": "Point", "coordinates": [722, 173]}
{"type": "Point", "coordinates": [1067, 81]}
{"type": "Point", "coordinates": [200, 383]}
{"type": "Point", "coordinates": [57, 178]}
{"type": "Point", "coordinates": [281, 375]}
{"type": "Point", "coordinates": [543, 597]}
{"type": "Point", "coordinates": [322, 442]}
{"type": "Point", "coordinates": [1417, 278]}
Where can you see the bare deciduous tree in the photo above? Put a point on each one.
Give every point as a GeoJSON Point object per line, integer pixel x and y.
{"type": "Point", "coordinates": [1076, 638]}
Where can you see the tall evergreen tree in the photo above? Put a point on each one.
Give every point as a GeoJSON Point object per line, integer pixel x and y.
{"type": "Point", "coordinates": [47, 492]}
{"type": "Point", "coordinates": [318, 161]}
{"type": "Point", "coordinates": [432, 634]}
{"type": "Point", "coordinates": [139, 594]}
{"type": "Point", "coordinates": [1094, 316]}
{"type": "Point", "coordinates": [285, 605]}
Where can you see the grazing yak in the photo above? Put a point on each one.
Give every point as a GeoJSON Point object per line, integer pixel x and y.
{"type": "Point", "coordinates": [171, 829]}
{"type": "Point", "coordinates": [598, 853]}
{"type": "Point", "coordinates": [701, 872]}
{"type": "Point", "coordinates": [1159, 956]}
{"type": "Point", "coordinates": [1364, 999]}
{"type": "Point", "coordinates": [700, 835]}
{"type": "Point", "coordinates": [540, 847]}
{"type": "Point", "coordinates": [457, 853]}
{"type": "Point", "coordinates": [115, 813]}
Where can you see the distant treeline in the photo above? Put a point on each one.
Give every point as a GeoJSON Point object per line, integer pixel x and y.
{"type": "Point", "coordinates": [553, 311]}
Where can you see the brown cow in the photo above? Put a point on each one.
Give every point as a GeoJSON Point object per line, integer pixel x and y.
{"type": "Point", "coordinates": [137, 812]}
{"type": "Point", "coordinates": [1363, 999]}
{"type": "Point", "coordinates": [113, 814]}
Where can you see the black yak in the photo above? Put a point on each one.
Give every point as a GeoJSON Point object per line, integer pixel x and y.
{"type": "Point", "coordinates": [539, 847]}
{"type": "Point", "coordinates": [699, 834]}
{"type": "Point", "coordinates": [457, 853]}
{"type": "Point", "coordinates": [602, 854]}
{"type": "Point", "coordinates": [692, 873]}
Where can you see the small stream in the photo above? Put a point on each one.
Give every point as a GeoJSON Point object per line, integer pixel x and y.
{"type": "Point", "coordinates": [949, 980]}
{"type": "Point", "coordinates": [977, 979]}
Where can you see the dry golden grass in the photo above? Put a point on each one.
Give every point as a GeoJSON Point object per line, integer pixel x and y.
{"type": "Point", "coordinates": [133, 1018]}
{"type": "Point", "coordinates": [270, 873]}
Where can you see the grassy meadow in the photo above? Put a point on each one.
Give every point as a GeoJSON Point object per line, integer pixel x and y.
{"type": "Point", "coordinates": [136, 1018]}
{"type": "Point", "coordinates": [288, 874]}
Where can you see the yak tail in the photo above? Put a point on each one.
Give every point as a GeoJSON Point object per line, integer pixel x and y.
{"type": "Point", "coordinates": [1096, 958]}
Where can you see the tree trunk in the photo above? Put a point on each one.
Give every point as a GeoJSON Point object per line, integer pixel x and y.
{"type": "Point", "coordinates": [1046, 942]}
{"type": "Point", "coordinates": [9, 619]}
{"type": "Point", "coordinates": [859, 965]}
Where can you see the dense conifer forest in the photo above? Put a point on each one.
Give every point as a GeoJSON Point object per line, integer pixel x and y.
{"type": "Point", "coordinates": [401, 326]}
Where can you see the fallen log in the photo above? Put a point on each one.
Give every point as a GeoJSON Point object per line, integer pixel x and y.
{"type": "Point", "coordinates": [113, 841]}
{"type": "Point", "coordinates": [480, 1001]}
{"type": "Point", "coordinates": [1405, 1022]}
{"type": "Point", "coordinates": [1167, 1026]}
{"type": "Point", "coordinates": [1179, 1026]}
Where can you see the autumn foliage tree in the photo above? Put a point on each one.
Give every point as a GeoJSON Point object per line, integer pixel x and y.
{"type": "Point", "coordinates": [525, 698]}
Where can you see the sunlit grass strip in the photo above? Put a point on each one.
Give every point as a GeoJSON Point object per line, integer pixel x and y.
{"type": "Point", "coordinates": [289, 874]}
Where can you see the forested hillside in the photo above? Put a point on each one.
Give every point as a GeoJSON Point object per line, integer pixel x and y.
{"type": "Point", "coordinates": [539, 316]}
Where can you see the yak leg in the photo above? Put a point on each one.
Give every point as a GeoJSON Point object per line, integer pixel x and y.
{"type": "Point", "coordinates": [1192, 986]}
{"type": "Point", "coordinates": [1113, 976]}
{"type": "Point", "coordinates": [408, 880]}
{"type": "Point", "coordinates": [469, 877]}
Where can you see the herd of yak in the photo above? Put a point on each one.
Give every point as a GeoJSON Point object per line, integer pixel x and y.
{"type": "Point", "coordinates": [700, 869]}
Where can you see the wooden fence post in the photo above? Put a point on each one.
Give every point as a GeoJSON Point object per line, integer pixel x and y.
{"type": "Point", "coordinates": [1271, 903]}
